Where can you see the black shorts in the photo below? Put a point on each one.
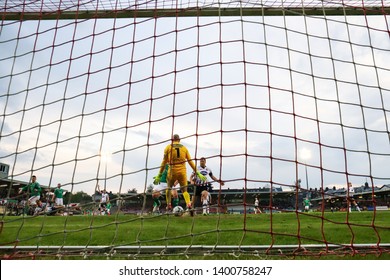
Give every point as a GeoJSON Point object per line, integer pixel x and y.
{"type": "Point", "coordinates": [200, 189]}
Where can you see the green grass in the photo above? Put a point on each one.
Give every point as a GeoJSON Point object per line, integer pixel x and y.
{"type": "Point", "coordinates": [213, 230]}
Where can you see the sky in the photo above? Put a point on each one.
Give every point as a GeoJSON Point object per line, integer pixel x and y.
{"type": "Point", "coordinates": [264, 99]}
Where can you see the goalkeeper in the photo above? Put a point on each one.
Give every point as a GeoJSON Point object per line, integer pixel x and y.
{"type": "Point", "coordinates": [177, 155]}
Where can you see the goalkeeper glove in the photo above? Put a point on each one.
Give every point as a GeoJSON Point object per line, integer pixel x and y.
{"type": "Point", "coordinates": [200, 176]}
{"type": "Point", "coordinates": [157, 179]}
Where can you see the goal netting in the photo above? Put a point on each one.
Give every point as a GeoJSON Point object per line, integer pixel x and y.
{"type": "Point", "coordinates": [288, 101]}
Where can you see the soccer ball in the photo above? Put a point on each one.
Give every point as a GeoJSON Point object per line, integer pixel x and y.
{"type": "Point", "coordinates": [178, 211]}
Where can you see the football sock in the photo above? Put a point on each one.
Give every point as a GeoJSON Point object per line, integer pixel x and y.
{"type": "Point", "coordinates": [168, 196]}
{"type": "Point", "coordinates": [187, 198]}
{"type": "Point", "coordinates": [156, 202]}
{"type": "Point", "coordinates": [175, 201]}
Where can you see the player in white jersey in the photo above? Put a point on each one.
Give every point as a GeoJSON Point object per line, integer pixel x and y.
{"type": "Point", "coordinates": [257, 206]}
{"type": "Point", "coordinates": [202, 185]}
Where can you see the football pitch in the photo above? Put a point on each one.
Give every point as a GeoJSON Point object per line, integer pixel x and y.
{"type": "Point", "coordinates": [280, 235]}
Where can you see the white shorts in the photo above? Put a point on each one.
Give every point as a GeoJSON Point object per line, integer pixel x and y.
{"type": "Point", "coordinates": [177, 187]}
{"type": "Point", "coordinates": [160, 187]}
{"type": "Point", "coordinates": [59, 201]}
{"type": "Point", "coordinates": [33, 200]}
{"type": "Point", "coordinates": [164, 186]}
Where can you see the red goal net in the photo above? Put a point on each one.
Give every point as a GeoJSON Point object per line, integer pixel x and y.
{"type": "Point", "coordinates": [288, 101]}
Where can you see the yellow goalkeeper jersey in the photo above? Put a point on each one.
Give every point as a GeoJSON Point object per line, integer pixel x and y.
{"type": "Point", "coordinates": [176, 155]}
